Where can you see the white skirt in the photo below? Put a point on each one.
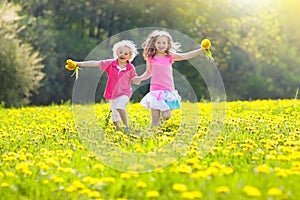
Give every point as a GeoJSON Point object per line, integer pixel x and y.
{"type": "Point", "coordinates": [161, 100]}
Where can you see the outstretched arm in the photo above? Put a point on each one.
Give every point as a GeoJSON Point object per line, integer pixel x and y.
{"type": "Point", "coordinates": [147, 74]}
{"type": "Point", "coordinates": [187, 55]}
{"type": "Point", "coordinates": [92, 63]}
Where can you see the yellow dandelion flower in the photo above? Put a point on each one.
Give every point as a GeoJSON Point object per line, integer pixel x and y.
{"type": "Point", "coordinates": [108, 179]}
{"type": "Point", "coordinates": [10, 174]}
{"type": "Point", "coordinates": [212, 171]}
{"type": "Point", "coordinates": [270, 157]}
{"type": "Point", "coordinates": [57, 179]}
{"type": "Point", "coordinates": [152, 194]}
{"type": "Point", "coordinates": [197, 194]}
{"type": "Point", "coordinates": [238, 154]}
{"type": "Point", "coordinates": [179, 187]}
{"type": "Point", "coordinates": [184, 169]}
{"type": "Point", "coordinates": [4, 184]}
{"type": "Point", "coordinates": [275, 192]}
{"type": "Point", "coordinates": [199, 174]}
{"type": "Point", "coordinates": [141, 184]}
{"type": "Point", "coordinates": [69, 170]}
{"type": "Point", "coordinates": [22, 157]}
{"type": "Point", "coordinates": [205, 44]}
{"type": "Point", "coordinates": [51, 162]}
{"type": "Point", "coordinates": [87, 179]}
{"type": "Point", "coordinates": [125, 176]}
{"type": "Point", "coordinates": [70, 189]}
{"type": "Point", "coordinates": [283, 158]}
{"type": "Point", "coordinates": [264, 169]}
{"type": "Point", "coordinates": [281, 173]}
{"type": "Point", "coordinates": [295, 165]}
{"type": "Point", "coordinates": [187, 195]}
{"type": "Point", "coordinates": [27, 172]}
{"type": "Point", "coordinates": [99, 167]}
{"type": "Point", "coordinates": [193, 161]}
{"type": "Point", "coordinates": [159, 170]}
{"type": "Point", "coordinates": [71, 65]}
{"type": "Point", "coordinates": [191, 195]}
{"type": "Point", "coordinates": [215, 164]}
{"type": "Point", "coordinates": [222, 189]}
{"type": "Point", "coordinates": [227, 170]}
{"type": "Point", "coordinates": [65, 161]}
{"type": "Point", "coordinates": [78, 184]}
{"type": "Point", "coordinates": [94, 194]}
{"type": "Point", "coordinates": [85, 191]}
{"type": "Point", "coordinates": [251, 191]}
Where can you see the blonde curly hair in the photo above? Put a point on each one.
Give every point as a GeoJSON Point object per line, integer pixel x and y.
{"type": "Point", "coordinates": [126, 43]}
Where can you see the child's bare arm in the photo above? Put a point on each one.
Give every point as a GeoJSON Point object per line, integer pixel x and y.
{"type": "Point", "coordinates": [147, 74]}
{"type": "Point", "coordinates": [92, 63]}
{"type": "Point", "coordinates": [136, 80]}
{"type": "Point", "coordinates": [187, 55]}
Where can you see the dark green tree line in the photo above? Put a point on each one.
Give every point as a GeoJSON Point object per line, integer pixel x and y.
{"type": "Point", "coordinates": [20, 67]}
{"type": "Point", "coordinates": [256, 58]}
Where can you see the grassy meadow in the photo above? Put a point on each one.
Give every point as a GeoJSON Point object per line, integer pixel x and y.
{"type": "Point", "coordinates": [256, 154]}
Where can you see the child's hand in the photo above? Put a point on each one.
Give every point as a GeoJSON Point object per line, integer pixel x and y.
{"type": "Point", "coordinates": [71, 65]}
{"type": "Point", "coordinates": [136, 80]}
{"type": "Point", "coordinates": [205, 44]}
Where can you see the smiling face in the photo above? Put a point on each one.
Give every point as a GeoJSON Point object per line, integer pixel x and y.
{"type": "Point", "coordinates": [162, 45]}
{"type": "Point", "coordinates": [124, 54]}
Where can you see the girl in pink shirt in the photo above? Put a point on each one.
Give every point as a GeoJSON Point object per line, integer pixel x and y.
{"type": "Point", "coordinates": [160, 53]}
{"type": "Point", "coordinates": [120, 74]}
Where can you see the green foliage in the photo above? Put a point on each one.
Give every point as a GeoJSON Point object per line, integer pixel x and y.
{"type": "Point", "coordinates": [254, 44]}
{"type": "Point", "coordinates": [20, 66]}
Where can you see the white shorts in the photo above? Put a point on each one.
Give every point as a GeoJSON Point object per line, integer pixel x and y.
{"type": "Point", "coordinates": [118, 103]}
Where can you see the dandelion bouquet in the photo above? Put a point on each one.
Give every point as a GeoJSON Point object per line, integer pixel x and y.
{"type": "Point", "coordinates": [205, 44]}
{"type": "Point", "coordinates": [72, 66]}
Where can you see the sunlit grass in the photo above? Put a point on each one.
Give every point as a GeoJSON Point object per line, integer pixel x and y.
{"type": "Point", "coordinates": [256, 154]}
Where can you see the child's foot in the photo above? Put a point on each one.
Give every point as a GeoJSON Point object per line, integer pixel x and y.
{"type": "Point", "coordinates": [126, 130]}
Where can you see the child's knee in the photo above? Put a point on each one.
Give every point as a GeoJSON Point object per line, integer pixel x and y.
{"type": "Point", "coordinates": [166, 114]}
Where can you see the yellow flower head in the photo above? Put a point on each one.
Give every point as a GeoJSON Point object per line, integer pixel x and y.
{"type": "Point", "coordinates": [71, 65]}
{"type": "Point", "coordinates": [152, 194]}
{"type": "Point", "coordinates": [251, 191]}
{"type": "Point", "coordinates": [205, 44]}
{"type": "Point", "coordinates": [179, 187]}
{"type": "Point", "coordinates": [275, 192]}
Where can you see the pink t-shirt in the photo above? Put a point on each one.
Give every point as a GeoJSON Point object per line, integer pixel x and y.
{"type": "Point", "coordinates": [162, 73]}
{"type": "Point", "coordinates": [118, 82]}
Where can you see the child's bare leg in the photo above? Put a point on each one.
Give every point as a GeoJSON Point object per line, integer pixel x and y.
{"type": "Point", "coordinates": [155, 117]}
{"type": "Point", "coordinates": [117, 125]}
{"type": "Point", "coordinates": [166, 114]}
{"type": "Point", "coordinates": [123, 116]}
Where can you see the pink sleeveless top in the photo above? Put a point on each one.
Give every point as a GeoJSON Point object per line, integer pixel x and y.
{"type": "Point", "coordinates": [162, 73]}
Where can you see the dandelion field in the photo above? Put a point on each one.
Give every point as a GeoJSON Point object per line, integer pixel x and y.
{"type": "Point", "coordinates": [255, 156]}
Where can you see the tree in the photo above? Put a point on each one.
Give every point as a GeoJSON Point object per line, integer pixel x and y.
{"type": "Point", "coordinates": [20, 66]}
